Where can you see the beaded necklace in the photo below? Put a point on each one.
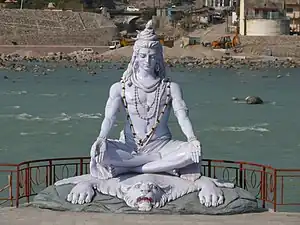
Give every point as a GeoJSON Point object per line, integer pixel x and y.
{"type": "Point", "coordinates": [146, 106]}
{"type": "Point", "coordinates": [143, 141]}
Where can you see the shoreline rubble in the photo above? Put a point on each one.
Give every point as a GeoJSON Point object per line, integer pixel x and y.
{"type": "Point", "coordinates": [16, 62]}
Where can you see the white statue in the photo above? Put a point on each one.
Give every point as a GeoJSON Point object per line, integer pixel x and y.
{"type": "Point", "coordinates": [145, 145]}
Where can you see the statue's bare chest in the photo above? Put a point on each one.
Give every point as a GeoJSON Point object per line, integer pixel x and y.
{"type": "Point", "coordinates": [147, 106]}
{"type": "Point", "coordinates": [136, 97]}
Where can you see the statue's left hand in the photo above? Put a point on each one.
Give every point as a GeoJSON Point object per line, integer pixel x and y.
{"type": "Point", "coordinates": [196, 152]}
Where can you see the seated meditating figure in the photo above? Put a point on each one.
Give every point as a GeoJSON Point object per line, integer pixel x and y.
{"type": "Point", "coordinates": [145, 149]}
{"type": "Point", "coordinates": [147, 97]}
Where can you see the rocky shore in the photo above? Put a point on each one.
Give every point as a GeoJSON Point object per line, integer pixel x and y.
{"type": "Point", "coordinates": [40, 64]}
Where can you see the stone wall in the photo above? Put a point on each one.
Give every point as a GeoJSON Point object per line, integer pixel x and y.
{"type": "Point", "coordinates": [81, 39]}
{"type": "Point", "coordinates": [39, 27]}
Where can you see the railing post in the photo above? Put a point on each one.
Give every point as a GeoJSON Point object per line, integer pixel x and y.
{"type": "Point", "coordinates": [10, 190]}
{"type": "Point", "coordinates": [81, 167]}
{"type": "Point", "coordinates": [18, 185]}
{"type": "Point", "coordinates": [47, 176]}
{"type": "Point", "coordinates": [275, 190]}
{"type": "Point", "coordinates": [50, 172]}
{"type": "Point", "coordinates": [209, 168]}
{"type": "Point", "coordinates": [241, 175]}
{"type": "Point", "coordinates": [281, 191]}
{"type": "Point", "coordinates": [237, 176]}
{"type": "Point", "coordinates": [263, 187]}
{"type": "Point", "coordinates": [27, 182]}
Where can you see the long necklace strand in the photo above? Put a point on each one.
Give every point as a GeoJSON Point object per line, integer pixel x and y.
{"type": "Point", "coordinates": [150, 115]}
{"type": "Point", "coordinates": [142, 141]}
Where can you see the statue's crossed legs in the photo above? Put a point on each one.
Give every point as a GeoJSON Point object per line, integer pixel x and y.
{"type": "Point", "coordinates": [166, 156]}
{"type": "Point", "coordinates": [158, 156]}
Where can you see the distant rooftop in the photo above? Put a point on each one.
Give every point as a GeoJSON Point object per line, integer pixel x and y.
{"type": "Point", "coordinates": [181, 8]}
{"type": "Point", "coordinates": [294, 2]}
{"type": "Point", "coordinates": [271, 4]}
{"type": "Point", "coordinates": [191, 8]}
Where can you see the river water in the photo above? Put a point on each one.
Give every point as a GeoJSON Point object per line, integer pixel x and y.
{"type": "Point", "coordinates": [59, 114]}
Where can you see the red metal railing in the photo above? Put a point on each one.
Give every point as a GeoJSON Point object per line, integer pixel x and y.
{"type": "Point", "coordinates": [269, 185]}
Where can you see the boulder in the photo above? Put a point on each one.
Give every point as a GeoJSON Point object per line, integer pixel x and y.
{"type": "Point", "coordinates": [253, 100]}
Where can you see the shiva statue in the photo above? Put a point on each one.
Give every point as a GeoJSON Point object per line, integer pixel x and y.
{"type": "Point", "coordinates": [145, 146]}
{"type": "Point", "coordinates": [147, 97]}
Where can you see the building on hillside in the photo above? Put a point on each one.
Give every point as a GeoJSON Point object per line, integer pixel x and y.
{"type": "Point", "coordinates": [292, 8]}
{"type": "Point", "coordinates": [190, 16]}
{"type": "Point", "coordinates": [263, 19]}
{"type": "Point", "coordinates": [178, 12]}
{"type": "Point", "coordinates": [268, 11]}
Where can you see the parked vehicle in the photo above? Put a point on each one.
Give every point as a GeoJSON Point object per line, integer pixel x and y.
{"type": "Point", "coordinates": [115, 44]}
{"type": "Point", "coordinates": [87, 51]}
{"type": "Point", "coordinates": [132, 9]}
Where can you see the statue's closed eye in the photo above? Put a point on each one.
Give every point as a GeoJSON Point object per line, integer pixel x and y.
{"type": "Point", "coordinates": [138, 185]}
{"type": "Point", "coordinates": [144, 56]}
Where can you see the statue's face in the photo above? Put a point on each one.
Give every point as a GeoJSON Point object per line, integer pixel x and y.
{"type": "Point", "coordinates": [147, 59]}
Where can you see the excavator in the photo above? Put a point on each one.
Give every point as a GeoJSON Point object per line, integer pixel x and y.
{"type": "Point", "coordinates": [120, 42]}
{"type": "Point", "coordinates": [226, 42]}
{"type": "Point", "coordinates": [166, 41]}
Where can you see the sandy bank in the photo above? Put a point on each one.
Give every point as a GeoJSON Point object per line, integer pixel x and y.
{"type": "Point", "coordinates": [169, 53]}
{"type": "Point", "coordinates": [29, 216]}
{"type": "Point", "coordinates": [43, 50]}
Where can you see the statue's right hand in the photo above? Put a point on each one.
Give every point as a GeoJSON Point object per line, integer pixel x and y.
{"type": "Point", "coordinates": [96, 151]}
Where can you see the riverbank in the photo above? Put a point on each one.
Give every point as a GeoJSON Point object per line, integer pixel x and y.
{"type": "Point", "coordinates": [28, 216]}
{"type": "Point", "coordinates": [16, 58]}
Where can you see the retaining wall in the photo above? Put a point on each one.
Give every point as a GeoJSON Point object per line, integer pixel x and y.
{"type": "Point", "coordinates": [37, 27]}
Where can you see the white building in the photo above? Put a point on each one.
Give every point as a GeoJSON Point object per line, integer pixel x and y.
{"type": "Point", "coordinates": [266, 20]}
{"type": "Point", "coordinates": [219, 3]}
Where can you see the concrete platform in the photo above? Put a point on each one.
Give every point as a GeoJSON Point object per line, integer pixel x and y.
{"type": "Point", "coordinates": [34, 216]}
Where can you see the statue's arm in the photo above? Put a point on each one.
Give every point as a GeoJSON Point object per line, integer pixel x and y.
{"type": "Point", "coordinates": [181, 112]}
{"type": "Point", "coordinates": [111, 109]}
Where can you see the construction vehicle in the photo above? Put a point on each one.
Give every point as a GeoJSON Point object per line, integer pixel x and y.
{"type": "Point", "coordinates": [121, 42]}
{"type": "Point", "coordinates": [166, 41]}
{"type": "Point", "coordinates": [126, 41]}
{"type": "Point", "coordinates": [226, 42]}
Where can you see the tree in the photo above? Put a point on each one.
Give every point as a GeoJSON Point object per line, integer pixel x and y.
{"type": "Point", "coordinates": [34, 4]}
{"type": "Point", "coordinates": [176, 2]}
